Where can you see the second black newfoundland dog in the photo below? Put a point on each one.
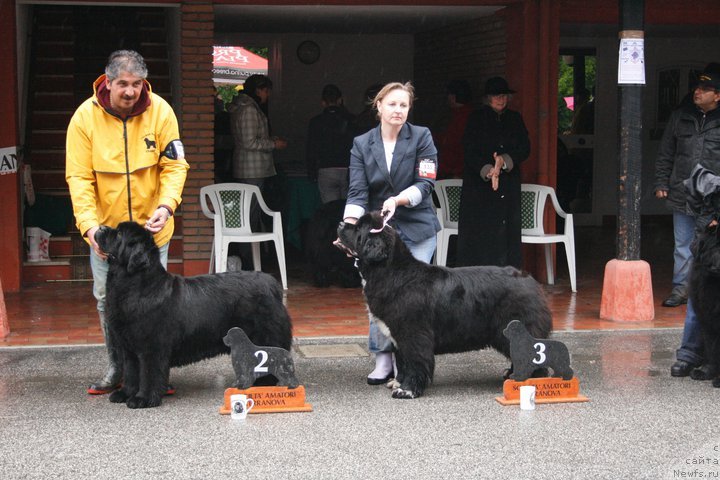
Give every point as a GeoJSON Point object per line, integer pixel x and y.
{"type": "Point", "coordinates": [428, 310]}
{"type": "Point", "coordinates": [704, 288]}
{"type": "Point", "coordinates": [160, 320]}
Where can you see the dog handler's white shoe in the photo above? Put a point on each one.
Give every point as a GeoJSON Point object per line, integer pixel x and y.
{"type": "Point", "coordinates": [383, 369]}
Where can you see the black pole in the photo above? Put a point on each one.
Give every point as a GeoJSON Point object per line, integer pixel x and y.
{"type": "Point", "coordinates": [630, 142]}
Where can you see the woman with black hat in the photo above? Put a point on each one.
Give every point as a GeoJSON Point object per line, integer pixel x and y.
{"type": "Point", "coordinates": [496, 142]}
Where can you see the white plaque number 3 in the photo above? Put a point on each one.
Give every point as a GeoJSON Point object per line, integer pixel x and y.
{"type": "Point", "coordinates": [263, 357]}
{"type": "Point", "coordinates": [539, 349]}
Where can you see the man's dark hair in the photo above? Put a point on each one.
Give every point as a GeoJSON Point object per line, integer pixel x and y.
{"type": "Point", "coordinates": [331, 93]}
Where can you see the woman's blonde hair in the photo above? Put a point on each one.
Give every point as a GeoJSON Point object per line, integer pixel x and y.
{"type": "Point", "coordinates": [406, 87]}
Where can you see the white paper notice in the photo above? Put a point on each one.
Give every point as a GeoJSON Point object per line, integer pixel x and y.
{"type": "Point", "coordinates": [8, 160]}
{"type": "Point", "coordinates": [631, 62]}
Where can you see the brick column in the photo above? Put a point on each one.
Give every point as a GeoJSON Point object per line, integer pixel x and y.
{"type": "Point", "coordinates": [10, 234]}
{"type": "Point", "coordinates": [533, 42]}
{"type": "Point", "coordinates": [197, 121]}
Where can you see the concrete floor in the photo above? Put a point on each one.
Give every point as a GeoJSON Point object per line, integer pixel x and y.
{"type": "Point", "coordinates": [639, 424]}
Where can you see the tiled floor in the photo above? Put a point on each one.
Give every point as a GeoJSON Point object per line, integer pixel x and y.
{"type": "Point", "coordinates": [64, 313]}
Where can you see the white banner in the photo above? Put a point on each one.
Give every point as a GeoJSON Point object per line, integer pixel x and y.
{"type": "Point", "coordinates": [631, 64]}
{"type": "Point", "coordinates": [8, 160]}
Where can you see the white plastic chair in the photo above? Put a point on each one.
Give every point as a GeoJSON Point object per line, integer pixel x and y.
{"type": "Point", "coordinates": [231, 215]}
{"type": "Point", "coordinates": [448, 192]}
{"type": "Point", "coordinates": [533, 229]}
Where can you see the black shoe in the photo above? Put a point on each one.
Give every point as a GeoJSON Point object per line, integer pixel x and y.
{"type": "Point", "coordinates": [674, 300]}
{"type": "Point", "coordinates": [380, 381]}
{"type": "Point", "coordinates": [681, 369]}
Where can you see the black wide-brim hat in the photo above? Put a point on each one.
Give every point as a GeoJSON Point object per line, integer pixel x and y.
{"type": "Point", "coordinates": [497, 86]}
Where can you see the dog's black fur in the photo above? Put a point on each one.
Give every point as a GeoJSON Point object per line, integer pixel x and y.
{"type": "Point", "coordinates": [704, 287]}
{"type": "Point", "coordinates": [244, 354]}
{"type": "Point", "coordinates": [160, 320]}
{"type": "Point", "coordinates": [327, 264]}
{"type": "Point", "coordinates": [432, 310]}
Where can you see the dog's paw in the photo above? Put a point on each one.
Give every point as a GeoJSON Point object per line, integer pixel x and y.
{"type": "Point", "coordinates": [703, 372]}
{"type": "Point", "coordinates": [716, 382]}
{"type": "Point", "coordinates": [142, 402]}
{"type": "Point", "coordinates": [400, 393]}
{"type": "Point", "coordinates": [393, 384]}
{"type": "Point", "coordinates": [118, 396]}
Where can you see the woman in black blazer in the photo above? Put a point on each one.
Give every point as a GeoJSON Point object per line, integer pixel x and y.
{"type": "Point", "coordinates": [393, 169]}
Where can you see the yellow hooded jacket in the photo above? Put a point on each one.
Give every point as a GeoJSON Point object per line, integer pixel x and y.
{"type": "Point", "coordinates": [118, 169]}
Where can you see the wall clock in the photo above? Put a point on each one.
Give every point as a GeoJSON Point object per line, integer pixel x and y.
{"type": "Point", "coordinates": [308, 52]}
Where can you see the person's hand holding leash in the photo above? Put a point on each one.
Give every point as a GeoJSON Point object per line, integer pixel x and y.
{"type": "Point", "coordinates": [388, 209]}
{"type": "Point", "coordinates": [158, 220]}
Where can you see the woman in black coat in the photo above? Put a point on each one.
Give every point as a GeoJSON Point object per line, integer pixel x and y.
{"type": "Point", "coordinates": [496, 142]}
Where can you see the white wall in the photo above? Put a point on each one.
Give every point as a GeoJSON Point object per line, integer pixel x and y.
{"type": "Point", "coordinates": [353, 62]}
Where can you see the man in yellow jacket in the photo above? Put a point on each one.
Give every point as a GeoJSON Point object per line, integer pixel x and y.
{"type": "Point", "coordinates": [125, 162]}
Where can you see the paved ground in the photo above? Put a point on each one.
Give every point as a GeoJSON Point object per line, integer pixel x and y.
{"type": "Point", "coordinates": [640, 422]}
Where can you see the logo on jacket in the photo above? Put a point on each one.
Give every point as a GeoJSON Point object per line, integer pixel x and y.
{"type": "Point", "coordinates": [150, 145]}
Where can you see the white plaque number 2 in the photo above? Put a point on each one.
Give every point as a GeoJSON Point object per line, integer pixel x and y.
{"type": "Point", "coordinates": [263, 357]}
{"type": "Point", "coordinates": [539, 349]}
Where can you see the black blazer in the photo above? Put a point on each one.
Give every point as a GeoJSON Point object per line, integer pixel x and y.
{"type": "Point", "coordinates": [371, 183]}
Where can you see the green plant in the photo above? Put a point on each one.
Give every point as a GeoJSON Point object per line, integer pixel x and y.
{"type": "Point", "coordinates": [226, 93]}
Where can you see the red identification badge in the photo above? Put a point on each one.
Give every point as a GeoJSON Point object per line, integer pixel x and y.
{"type": "Point", "coordinates": [427, 169]}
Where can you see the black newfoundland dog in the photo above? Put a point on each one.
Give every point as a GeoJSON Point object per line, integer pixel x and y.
{"type": "Point", "coordinates": [705, 297]}
{"type": "Point", "coordinates": [160, 320]}
{"type": "Point", "coordinates": [428, 310]}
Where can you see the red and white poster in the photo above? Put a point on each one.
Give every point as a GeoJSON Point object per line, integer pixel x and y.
{"type": "Point", "coordinates": [235, 64]}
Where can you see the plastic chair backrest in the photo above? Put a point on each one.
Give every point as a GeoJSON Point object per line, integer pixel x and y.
{"type": "Point", "coordinates": [448, 193]}
{"type": "Point", "coordinates": [231, 203]}
{"type": "Point", "coordinates": [532, 207]}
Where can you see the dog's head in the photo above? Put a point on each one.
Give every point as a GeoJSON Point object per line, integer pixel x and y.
{"type": "Point", "coordinates": [514, 328]}
{"type": "Point", "coordinates": [236, 336]}
{"type": "Point", "coordinates": [706, 250]}
{"type": "Point", "coordinates": [128, 246]}
{"type": "Point", "coordinates": [370, 239]}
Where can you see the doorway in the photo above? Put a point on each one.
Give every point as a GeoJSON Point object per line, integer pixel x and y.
{"type": "Point", "coordinates": [576, 129]}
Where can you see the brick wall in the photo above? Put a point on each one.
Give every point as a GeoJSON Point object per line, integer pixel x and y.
{"type": "Point", "coordinates": [197, 117]}
{"type": "Point", "coordinates": [474, 51]}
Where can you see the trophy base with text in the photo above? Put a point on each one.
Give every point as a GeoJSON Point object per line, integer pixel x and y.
{"type": "Point", "coordinates": [547, 390]}
{"type": "Point", "coordinates": [270, 399]}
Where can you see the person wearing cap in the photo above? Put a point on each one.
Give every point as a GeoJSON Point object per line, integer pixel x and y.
{"type": "Point", "coordinates": [496, 142]}
{"type": "Point", "coordinates": [667, 187]}
{"type": "Point", "coordinates": [691, 137]}
{"type": "Point", "coordinates": [330, 138]}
